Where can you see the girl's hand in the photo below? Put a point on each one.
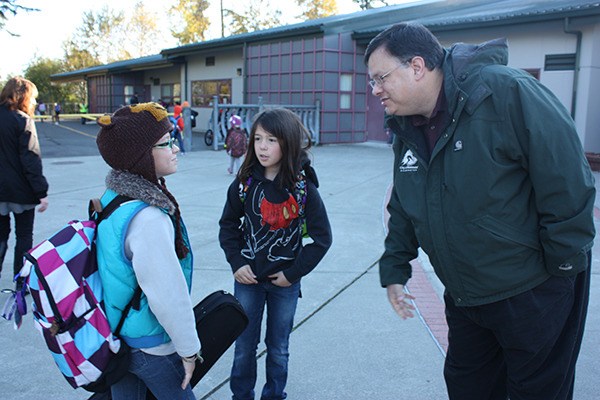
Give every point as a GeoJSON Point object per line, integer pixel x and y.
{"type": "Point", "coordinates": [245, 276]}
{"type": "Point", "coordinates": [279, 279]}
{"type": "Point", "coordinates": [188, 367]}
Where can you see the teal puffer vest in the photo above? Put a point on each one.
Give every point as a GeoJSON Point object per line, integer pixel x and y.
{"type": "Point", "coordinates": [141, 328]}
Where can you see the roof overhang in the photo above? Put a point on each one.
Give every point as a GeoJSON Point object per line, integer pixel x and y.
{"type": "Point", "coordinates": [118, 67]}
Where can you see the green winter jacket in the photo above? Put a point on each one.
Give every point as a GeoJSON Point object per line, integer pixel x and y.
{"type": "Point", "coordinates": [506, 198]}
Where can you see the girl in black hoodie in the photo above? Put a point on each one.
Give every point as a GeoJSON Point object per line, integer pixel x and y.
{"type": "Point", "coordinates": [271, 205]}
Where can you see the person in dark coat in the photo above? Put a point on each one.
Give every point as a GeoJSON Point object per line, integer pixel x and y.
{"type": "Point", "coordinates": [491, 181]}
{"type": "Point", "coordinates": [22, 183]}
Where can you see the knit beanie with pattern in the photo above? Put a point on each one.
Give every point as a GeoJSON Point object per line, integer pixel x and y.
{"type": "Point", "coordinates": [126, 137]}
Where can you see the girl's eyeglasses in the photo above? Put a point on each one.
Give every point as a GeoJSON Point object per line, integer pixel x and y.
{"type": "Point", "coordinates": [168, 144]}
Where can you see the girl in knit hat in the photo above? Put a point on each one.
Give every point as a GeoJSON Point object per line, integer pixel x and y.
{"type": "Point", "coordinates": [144, 242]}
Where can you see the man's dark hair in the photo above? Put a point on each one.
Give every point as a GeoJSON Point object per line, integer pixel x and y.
{"type": "Point", "coordinates": [407, 40]}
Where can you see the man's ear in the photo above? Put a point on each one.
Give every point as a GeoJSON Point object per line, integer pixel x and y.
{"type": "Point", "coordinates": [418, 66]}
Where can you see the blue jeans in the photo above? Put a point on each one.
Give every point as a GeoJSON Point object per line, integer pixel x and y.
{"type": "Point", "coordinates": [161, 374]}
{"type": "Point", "coordinates": [281, 307]}
{"type": "Point", "coordinates": [177, 135]}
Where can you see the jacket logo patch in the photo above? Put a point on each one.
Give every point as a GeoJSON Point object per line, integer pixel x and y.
{"type": "Point", "coordinates": [409, 162]}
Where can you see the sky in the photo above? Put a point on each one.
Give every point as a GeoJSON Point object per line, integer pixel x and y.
{"type": "Point", "coordinates": [41, 33]}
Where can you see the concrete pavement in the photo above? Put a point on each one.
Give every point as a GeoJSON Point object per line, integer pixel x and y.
{"type": "Point", "coordinates": [347, 343]}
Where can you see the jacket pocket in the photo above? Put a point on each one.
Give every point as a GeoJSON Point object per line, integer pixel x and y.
{"type": "Point", "coordinates": [504, 230]}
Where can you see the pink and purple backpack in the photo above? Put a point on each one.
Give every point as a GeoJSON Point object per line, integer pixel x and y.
{"type": "Point", "coordinates": [65, 286]}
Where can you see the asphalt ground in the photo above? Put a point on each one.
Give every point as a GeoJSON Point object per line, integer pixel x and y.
{"type": "Point", "coordinates": [347, 342]}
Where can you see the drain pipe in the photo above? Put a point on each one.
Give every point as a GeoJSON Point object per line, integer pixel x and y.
{"type": "Point", "coordinates": [567, 29]}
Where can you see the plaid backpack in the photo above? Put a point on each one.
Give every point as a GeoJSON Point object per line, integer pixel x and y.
{"type": "Point", "coordinates": [237, 143]}
{"type": "Point", "coordinates": [65, 286]}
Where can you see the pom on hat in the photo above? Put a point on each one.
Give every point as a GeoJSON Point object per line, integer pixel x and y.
{"type": "Point", "coordinates": [126, 137]}
{"type": "Point", "coordinates": [235, 120]}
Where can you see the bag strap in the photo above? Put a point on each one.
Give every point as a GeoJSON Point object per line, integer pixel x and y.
{"type": "Point", "coordinates": [102, 213]}
{"type": "Point", "coordinates": [137, 296]}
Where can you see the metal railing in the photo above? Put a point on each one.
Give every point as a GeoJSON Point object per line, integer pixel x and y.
{"type": "Point", "coordinates": [219, 120]}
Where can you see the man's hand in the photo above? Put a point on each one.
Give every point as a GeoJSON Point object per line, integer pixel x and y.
{"type": "Point", "coordinates": [245, 276]}
{"type": "Point", "coordinates": [400, 300]}
{"type": "Point", "coordinates": [279, 279]}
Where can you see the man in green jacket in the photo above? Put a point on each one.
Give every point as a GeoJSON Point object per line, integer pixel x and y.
{"type": "Point", "coordinates": [491, 181]}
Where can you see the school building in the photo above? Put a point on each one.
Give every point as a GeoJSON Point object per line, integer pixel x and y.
{"type": "Point", "coordinates": [321, 62]}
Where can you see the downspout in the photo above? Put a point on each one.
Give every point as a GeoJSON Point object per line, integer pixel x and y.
{"type": "Point", "coordinates": [577, 33]}
{"type": "Point", "coordinates": [185, 79]}
{"type": "Point", "coordinates": [244, 71]}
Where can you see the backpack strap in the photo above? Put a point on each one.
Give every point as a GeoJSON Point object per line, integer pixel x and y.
{"type": "Point", "coordinates": [137, 296]}
{"type": "Point", "coordinates": [244, 186]}
{"type": "Point", "coordinates": [300, 192]}
{"type": "Point", "coordinates": [101, 214]}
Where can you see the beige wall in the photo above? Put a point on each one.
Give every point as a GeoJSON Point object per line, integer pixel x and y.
{"type": "Point", "coordinates": [226, 65]}
{"type": "Point", "coordinates": [166, 75]}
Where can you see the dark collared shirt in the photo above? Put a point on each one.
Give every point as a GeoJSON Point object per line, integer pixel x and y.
{"type": "Point", "coordinates": [433, 127]}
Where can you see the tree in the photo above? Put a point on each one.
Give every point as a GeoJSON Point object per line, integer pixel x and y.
{"type": "Point", "coordinates": [368, 4]}
{"type": "Point", "coordinates": [99, 34]}
{"type": "Point", "coordinates": [11, 7]}
{"type": "Point", "coordinates": [39, 72]}
{"type": "Point", "coordinates": [314, 9]}
{"type": "Point", "coordinates": [76, 58]}
{"type": "Point", "coordinates": [191, 23]}
{"type": "Point", "coordinates": [259, 15]}
{"type": "Point", "coordinates": [141, 37]}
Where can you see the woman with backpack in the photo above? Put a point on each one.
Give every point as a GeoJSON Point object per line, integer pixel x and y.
{"type": "Point", "coordinates": [144, 242]}
{"type": "Point", "coordinates": [22, 183]}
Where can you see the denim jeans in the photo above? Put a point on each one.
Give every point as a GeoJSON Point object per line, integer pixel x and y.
{"type": "Point", "coordinates": [177, 135]}
{"type": "Point", "coordinates": [24, 235]}
{"type": "Point", "coordinates": [161, 374]}
{"type": "Point", "coordinates": [281, 307]}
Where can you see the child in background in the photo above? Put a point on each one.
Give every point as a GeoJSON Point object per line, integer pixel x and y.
{"type": "Point", "coordinates": [178, 124]}
{"type": "Point", "coordinates": [236, 144]}
{"type": "Point", "coordinates": [274, 194]}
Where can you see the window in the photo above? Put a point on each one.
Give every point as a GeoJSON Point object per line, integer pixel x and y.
{"type": "Point", "coordinates": [203, 92]}
{"type": "Point", "coordinates": [128, 91]}
{"type": "Point", "coordinates": [170, 93]}
{"type": "Point", "coordinates": [560, 62]}
{"type": "Point", "coordinates": [345, 91]}
{"type": "Point", "coordinates": [535, 72]}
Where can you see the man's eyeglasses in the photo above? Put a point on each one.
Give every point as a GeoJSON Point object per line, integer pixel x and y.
{"type": "Point", "coordinates": [168, 144]}
{"type": "Point", "coordinates": [379, 80]}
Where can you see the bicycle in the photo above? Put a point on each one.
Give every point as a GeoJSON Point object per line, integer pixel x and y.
{"type": "Point", "coordinates": [209, 136]}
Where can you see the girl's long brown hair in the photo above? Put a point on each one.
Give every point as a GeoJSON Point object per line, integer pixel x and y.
{"type": "Point", "coordinates": [180, 246]}
{"type": "Point", "coordinates": [17, 95]}
{"type": "Point", "coordinates": [294, 141]}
